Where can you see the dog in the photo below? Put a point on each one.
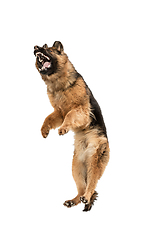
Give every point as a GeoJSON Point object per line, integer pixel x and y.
{"type": "Point", "coordinates": [76, 109]}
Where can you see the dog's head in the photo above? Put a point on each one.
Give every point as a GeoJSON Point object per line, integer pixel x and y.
{"type": "Point", "coordinates": [50, 60]}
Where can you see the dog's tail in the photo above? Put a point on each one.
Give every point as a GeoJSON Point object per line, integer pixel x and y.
{"type": "Point", "coordinates": [92, 200]}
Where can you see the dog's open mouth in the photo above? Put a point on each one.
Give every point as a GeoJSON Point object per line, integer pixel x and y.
{"type": "Point", "coordinates": [44, 60]}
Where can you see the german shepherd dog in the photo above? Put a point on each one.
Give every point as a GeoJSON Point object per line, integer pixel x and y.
{"type": "Point", "coordinates": [76, 109]}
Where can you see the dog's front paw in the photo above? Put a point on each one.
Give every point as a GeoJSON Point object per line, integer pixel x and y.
{"type": "Point", "coordinates": [44, 131]}
{"type": "Point", "coordinates": [62, 130]}
{"type": "Point", "coordinates": [69, 203]}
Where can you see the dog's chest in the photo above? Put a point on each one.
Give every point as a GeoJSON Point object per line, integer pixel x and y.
{"type": "Point", "coordinates": [61, 101]}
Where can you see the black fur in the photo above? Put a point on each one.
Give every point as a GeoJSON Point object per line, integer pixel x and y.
{"type": "Point", "coordinates": [77, 75]}
{"type": "Point", "coordinates": [92, 200]}
{"type": "Point", "coordinates": [46, 52]}
{"type": "Point", "coordinates": [98, 120]}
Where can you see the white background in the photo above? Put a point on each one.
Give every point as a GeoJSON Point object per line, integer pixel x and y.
{"type": "Point", "coordinates": [109, 44]}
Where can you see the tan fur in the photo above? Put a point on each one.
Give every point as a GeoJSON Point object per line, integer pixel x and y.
{"type": "Point", "coordinates": [72, 111]}
{"type": "Point", "coordinates": [88, 164]}
{"type": "Point", "coordinates": [72, 106]}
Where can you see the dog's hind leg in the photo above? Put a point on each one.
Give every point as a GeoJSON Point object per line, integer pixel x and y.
{"type": "Point", "coordinates": [95, 169]}
{"type": "Point", "coordinates": [79, 175]}
{"type": "Point", "coordinates": [92, 179]}
{"type": "Point", "coordinates": [92, 200]}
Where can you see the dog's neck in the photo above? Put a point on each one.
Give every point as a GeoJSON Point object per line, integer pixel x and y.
{"type": "Point", "coordinates": [60, 81]}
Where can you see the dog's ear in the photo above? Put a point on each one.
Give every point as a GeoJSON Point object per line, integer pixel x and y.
{"type": "Point", "coordinates": [45, 46]}
{"type": "Point", "coordinates": [58, 45]}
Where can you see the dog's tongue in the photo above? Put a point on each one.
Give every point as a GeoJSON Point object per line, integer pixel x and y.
{"type": "Point", "coordinates": [46, 65]}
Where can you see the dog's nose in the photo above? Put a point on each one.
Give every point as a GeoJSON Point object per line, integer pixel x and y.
{"type": "Point", "coordinates": [36, 47]}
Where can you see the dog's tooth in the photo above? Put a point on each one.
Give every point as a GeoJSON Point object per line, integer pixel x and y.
{"type": "Point", "coordinates": [37, 53]}
{"type": "Point", "coordinates": [40, 53]}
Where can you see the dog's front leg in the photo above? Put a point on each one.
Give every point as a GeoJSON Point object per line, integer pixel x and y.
{"type": "Point", "coordinates": [75, 119]}
{"type": "Point", "coordinates": [53, 121]}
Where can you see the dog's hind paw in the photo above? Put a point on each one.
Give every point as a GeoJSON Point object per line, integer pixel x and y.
{"type": "Point", "coordinates": [88, 205]}
{"type": "Point", "coordinates": [84, 200]}
{"type": "Point", "coordinates": [69, 203]}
